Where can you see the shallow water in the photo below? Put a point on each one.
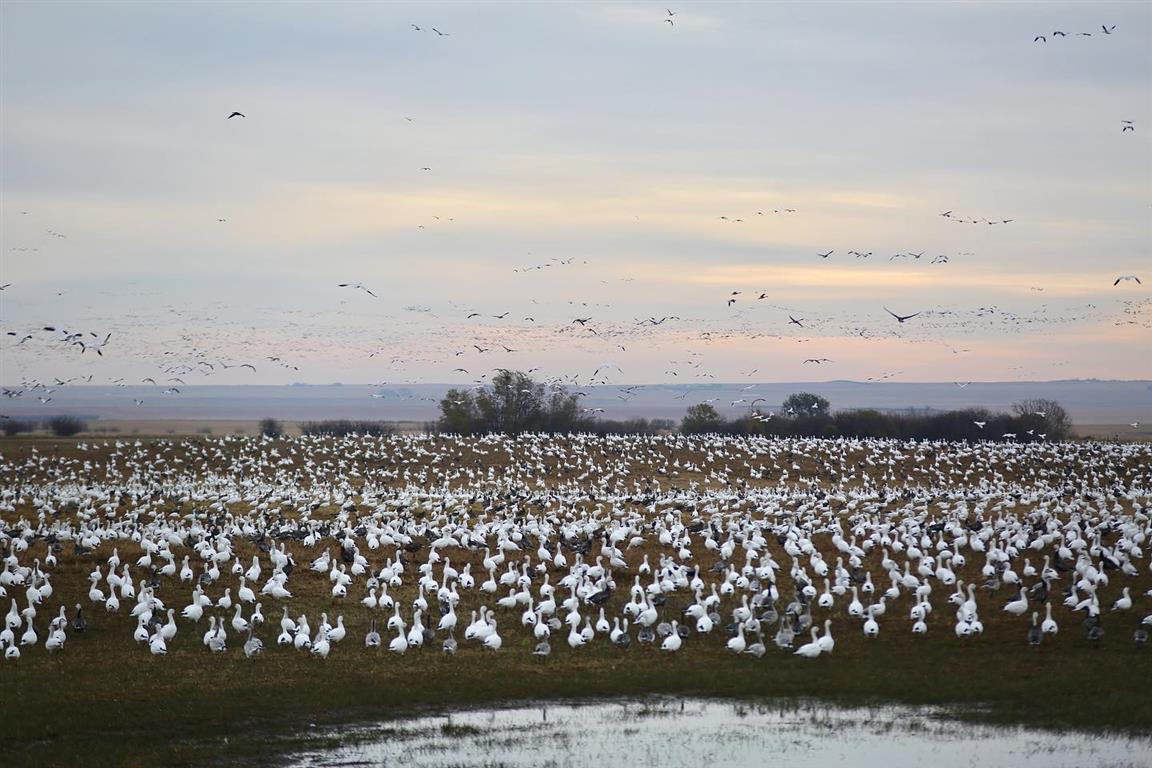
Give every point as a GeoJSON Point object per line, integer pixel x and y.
{"type": "Point", "coordinates": [692, 733]}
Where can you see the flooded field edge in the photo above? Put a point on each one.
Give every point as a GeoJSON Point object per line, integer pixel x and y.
{"type": "Point", "coordinates": [348, 730]}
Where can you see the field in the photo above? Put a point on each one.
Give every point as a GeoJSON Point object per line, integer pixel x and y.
{"type": "Point", "coordinates": [774, 512]}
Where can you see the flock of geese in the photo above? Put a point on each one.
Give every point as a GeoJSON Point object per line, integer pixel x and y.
{"type": "Point", "coordinates": [751, 544]}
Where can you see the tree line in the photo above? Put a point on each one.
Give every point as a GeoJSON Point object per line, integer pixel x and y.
{"type": "Point", "coordinates": [1029, 421]}
{"type": "Point", "coordinates": [514, 402]}
{"type": "Point", "coordinates": [60, 426]}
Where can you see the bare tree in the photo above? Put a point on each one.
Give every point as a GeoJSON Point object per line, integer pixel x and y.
{"type": "Point", "coordinates": [1046, 416]}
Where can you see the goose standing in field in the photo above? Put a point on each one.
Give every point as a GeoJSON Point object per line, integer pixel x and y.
{"type": "Point", "coordinates": [253, 646]}
{"type": "Point", "coordinates": [168, 631]}
{"type": "Point", "coordinates": [1049, 626]}
{"type": "Point", "coordinates": [399, 644]}
{"type": "Point", "coordinates": [157, 645]}
{"type": "Point", "coordinates": [302, 637]}
{"type": "Point", "coordinates": [29, 637]}
{"type": "Point", "coordinates": [56, 636]}
{"type": "Point", "coordinates": [784, 634]}
{"type": "Point", "coordinates": [673, 641]}
{"type": "Point", "coordinates": [493, 639]}
{"type": "Point", "coordinates": [321, 645]}
{"type": "Point", "coordinates": [1095, 631]}
{"type": "Point", "coordinates": [827, 642]}
{"type": "Point", "coordinates": [218, 642]}
{"type": "Point", "coordinates": [810, 650]}
{"type": "Point", "coordinates": [239, 623]}
{"type": "Point", "coordinates": [372, 639]}
{"type": "Point", "coordinates": [79, 623]}
{"type": "Point", "coordinates": [1018, 606]}
{"type": "Point", "coordinates": [738, 644]}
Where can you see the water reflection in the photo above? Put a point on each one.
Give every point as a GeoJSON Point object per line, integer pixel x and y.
{"type": "Point", "coordinates": [690, 733]}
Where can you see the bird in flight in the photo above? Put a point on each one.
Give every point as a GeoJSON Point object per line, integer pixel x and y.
{"type": "Point", "coordinates": [236, 114]}
{"type": "Point", "coordinates": [1039, 39]}
{"type": "Point", "coordinates": [582, 320]}
{"type": "Point", "coordinates": [980, 424]}
{"type": "Point", "coordinates": [360, 286]}
{"type": "Point", "coordinates": [1107, 29]}
{"type": "Point", "coordinates": [900, 318]}
{"type": "Point", "coordinates": [794, 321]}
{"type": "Point", "coordinates": [1128, 126]}
{"type": "Point", "coordinates": [1126, 277]}
{"type": "Point", "coordinates": [826, 255]}
{"type": "Point", "coordinates": [818, 360]}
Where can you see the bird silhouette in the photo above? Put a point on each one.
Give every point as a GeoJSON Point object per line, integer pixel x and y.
{"type": "Point", "coordinates": [900, 318]}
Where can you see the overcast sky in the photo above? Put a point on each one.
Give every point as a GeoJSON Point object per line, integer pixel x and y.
{"type": "Point", "coordinates": [595, 138]}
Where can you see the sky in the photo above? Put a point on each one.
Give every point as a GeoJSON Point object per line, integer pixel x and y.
{"type": "Point", "coordinates": [537, 163]}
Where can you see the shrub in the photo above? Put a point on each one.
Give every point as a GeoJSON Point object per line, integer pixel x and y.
{"type": "Point", "coordinates": [271, 428]}
{"type": "Point", "coordinates": [15, 427]}
{"type": "Point", "coordinates": [66, 426]}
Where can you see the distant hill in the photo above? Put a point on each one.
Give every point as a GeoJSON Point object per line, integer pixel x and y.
{"type": "Point", "coordinates": [1088, 401]}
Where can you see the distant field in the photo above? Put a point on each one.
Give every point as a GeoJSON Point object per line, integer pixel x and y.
{"type": "Point", "coordinates": [1143, 433]}
{"type": "Point", "coordinates": [1087, 401]}
{"type": "Point", "coordinates": [186, 427]}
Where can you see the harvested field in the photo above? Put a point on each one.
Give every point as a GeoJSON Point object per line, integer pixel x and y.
{"type": "Point", "coordinates": [732, 538]}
